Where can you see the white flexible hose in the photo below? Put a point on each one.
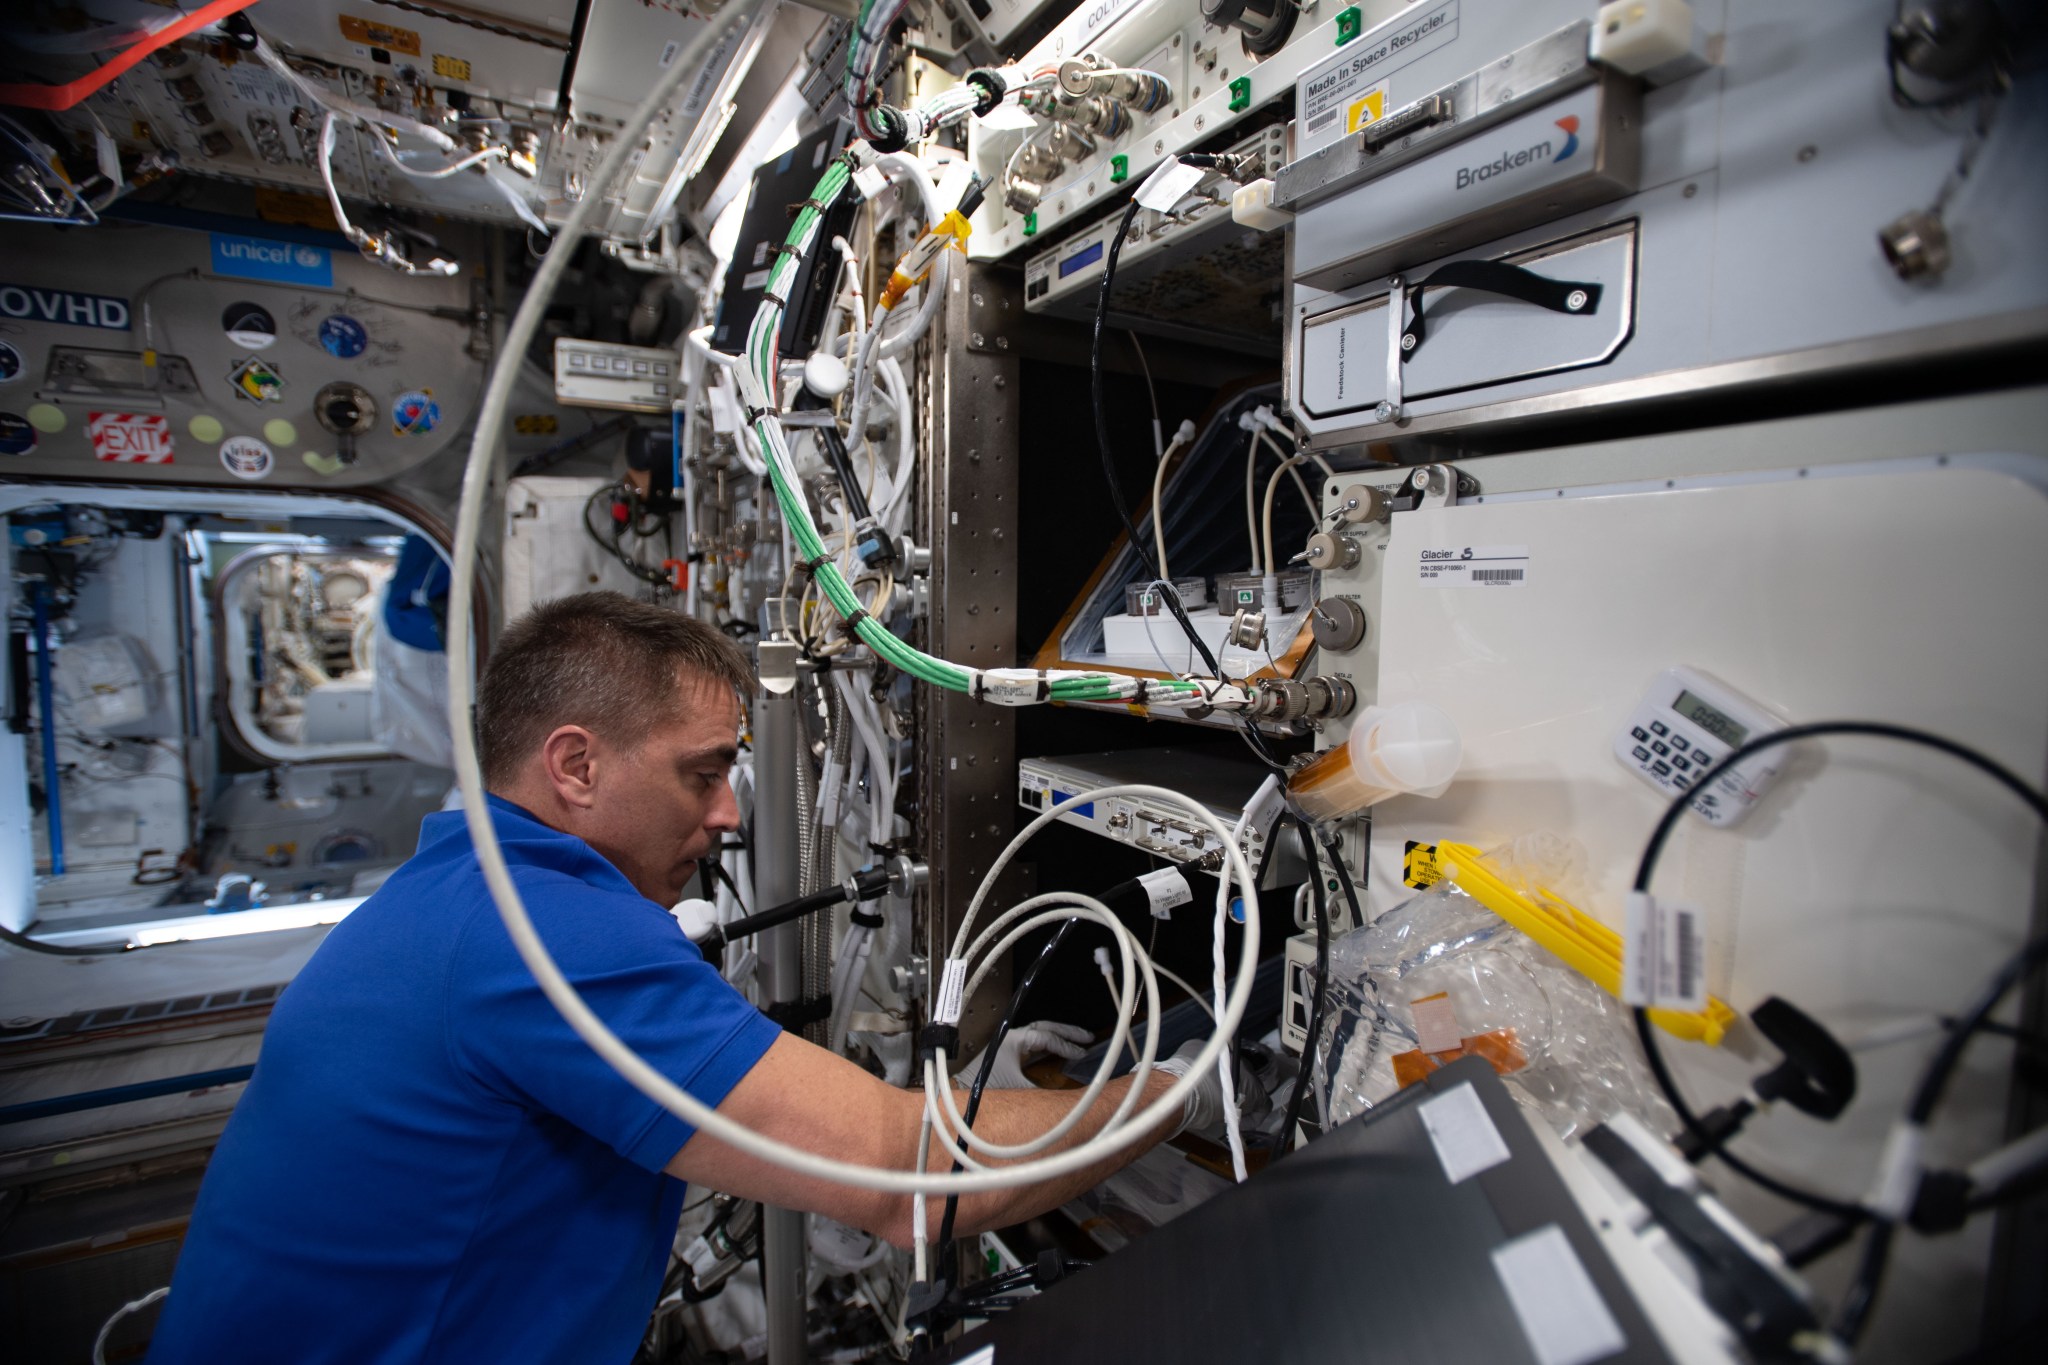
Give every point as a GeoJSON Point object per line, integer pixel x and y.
{"type": "Point", "coordinates": [846, 976]}
{"type": "Point", "coordinates": [1266, 792]}
{"type": "Point", "coordinates": [1288, 465]}
{"type": "Point", "coordinates": [895, 513]}
{"type": "Point", "coordinates": [477, 479]}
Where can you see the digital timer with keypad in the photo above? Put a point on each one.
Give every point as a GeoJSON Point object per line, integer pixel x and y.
{"type": "Point", "coordinates": [1687, 722]}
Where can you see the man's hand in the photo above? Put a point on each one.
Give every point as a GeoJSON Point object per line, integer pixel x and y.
{"type": "Point", "coordinates": [1203, 1108]}
{"type": "Point", "coordinates": [1022, 1045]}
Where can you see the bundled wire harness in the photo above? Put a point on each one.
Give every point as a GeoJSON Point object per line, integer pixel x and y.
{"type": "Point", "coordinates": [971, 954]}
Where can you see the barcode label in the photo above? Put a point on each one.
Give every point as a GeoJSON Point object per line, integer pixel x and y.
{"type": "Point", "coordinates": [1473, 566]}
{"type": "Point", "coordinates": [1663, 955]}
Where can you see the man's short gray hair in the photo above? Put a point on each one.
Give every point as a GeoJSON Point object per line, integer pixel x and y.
{"type": "Point", "coordinates": [617, 667]}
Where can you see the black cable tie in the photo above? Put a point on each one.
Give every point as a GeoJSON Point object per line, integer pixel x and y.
{"type": "Point", "coordinates": [932, 1037]}
{"type": "Point", "coordinates": [850, 627]}
{"type": "Point", "coordinates": [785, 249]}
{"type": "Point", "coordinates": [980, 687]}
{"type": "Point", "coordinates": [1144, 690]}
{"type": "Point", "coordinates": [808, 568]}
{"type": "Point", "coordinates": [1044, 687]}
{"type": "Point", "coordinates": [867, 919]}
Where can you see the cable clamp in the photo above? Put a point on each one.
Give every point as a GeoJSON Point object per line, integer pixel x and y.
{"type": "Point", "coordinates": [866, 919]}
{"type": "Point", "coordinates": [934, 1037]}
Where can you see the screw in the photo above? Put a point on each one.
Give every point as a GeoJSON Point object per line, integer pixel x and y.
{"type": "Point", "coordinates": [1420, 478]}
{"type": "Point", "coordinates": [1002, 343]}
{"type": "Point", "coordinates": [1407, 341]}
{"type": "Point", "coordinates": [1198, 122]}
{"type": "Point", "coordinates": [1385, 413]}
{"type": "Point", "coordinates": [1575, 300]}
{"type": "Point", "coordinates": [975, 338]}
{"type": "Point", "coordinates": [1689, 191]}
{"type": "Point", "coordinates": [1808, 152]}
{"type": "Point", "coordinates": [977, 301]}
{"type": "Point", "coordinates": [1506, 94]}
{"type": "Point", "coordinates": [1158, 146]}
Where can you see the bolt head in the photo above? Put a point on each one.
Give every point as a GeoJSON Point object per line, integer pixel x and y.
{"type": "Point", "coordinates": [1575, 300]}
{"type": "Point", "coordinates": [1408, 341]}
{"type": "Point", "coordinates": [1384, 412]}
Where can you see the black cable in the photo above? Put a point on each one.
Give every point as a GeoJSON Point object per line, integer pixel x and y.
{"type": "Point", "coordinates": [1710, 1143]}
{"type": "Point", "coordinates": [1322, 988]}
{"type": "Point", "coordinates": [1116, 492]}
{"type": "Point", "coordinates": [62, 949]}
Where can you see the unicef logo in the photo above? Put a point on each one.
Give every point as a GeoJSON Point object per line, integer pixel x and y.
{"type": "Point", "coordinates": [308, 256]}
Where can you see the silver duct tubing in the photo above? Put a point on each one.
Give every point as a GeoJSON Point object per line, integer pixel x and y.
{"type": "Point", "coordinates": [778, 757]}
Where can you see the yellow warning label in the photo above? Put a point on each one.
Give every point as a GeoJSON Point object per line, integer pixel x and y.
{"type": "Point", "coordinates": [386, 36]}
{"type": "Point", "coordinates": [1370, 108]}
{"type": "Point", "coordinates": [450, 68]}
{"type": "Point", "coordinates": [1419, 866]}
{"type": "Point", "coordinates": [536, 424]}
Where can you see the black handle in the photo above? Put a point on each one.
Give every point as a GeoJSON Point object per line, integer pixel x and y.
{"type": "Point", "coordinates": [1579, 297]}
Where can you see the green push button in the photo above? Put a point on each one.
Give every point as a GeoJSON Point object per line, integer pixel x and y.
{"type": "Point", "coordinates": [1119, 169]}
{"type": "Point", "coordinates": [1349, 25]}
{"type": "Point", "coordinates": [1240, 94]}
{"type": "Point", "coordinates": [1031, 224]}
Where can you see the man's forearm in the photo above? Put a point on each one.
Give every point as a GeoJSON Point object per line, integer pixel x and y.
{"type": "Point", "coordinates": [1009, 1117]}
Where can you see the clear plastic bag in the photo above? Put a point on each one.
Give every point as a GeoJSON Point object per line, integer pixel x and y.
{"type": "Point", "coordinates": [1565, 1048]}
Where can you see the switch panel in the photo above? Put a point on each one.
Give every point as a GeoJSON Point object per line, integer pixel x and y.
{"type": "Point", "coordinates": [600, 374]}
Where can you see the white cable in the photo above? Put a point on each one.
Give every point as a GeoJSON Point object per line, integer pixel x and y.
{"type": "Point", "coordinates": [1287, 466]}
{"type": "Point", "coordinates": [1265, 794]}
{"type": "Point", "coordinates": [99, 1343]}
{"type": "Point", "coordinates": [895, 513]}
{"type": "Point", "coordinates": [439, 172]}
{"type": "Point", "coordinates": [846, 978]}
{"type": "Point", "coordinates": [1181, 437]}
{"type": "Point", "coordinates": [341, 104]}
{"type": "Point", "coordinates": [485, 447]}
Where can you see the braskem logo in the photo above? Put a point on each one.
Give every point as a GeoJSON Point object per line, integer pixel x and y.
{"type": "Point", "coordinates": [1527, 156]}
{"type": "Point", "coordinates": [1570, 124]}
{"type": "Point", "coordinates": [260, 258]}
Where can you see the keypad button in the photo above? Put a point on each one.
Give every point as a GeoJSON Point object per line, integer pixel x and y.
{"type": "Point", "coordinates": [1660, 727]}
{"type": "Point", "coordinates": [1661, 769]}
{"type": "Point", "coordinates": [1679, 743]}
{"type": "Point", "coordinates": [661, 369]}
{"type": "Point", "coordinates": [661, 390]}
{"type": "Point", "coordinates": [1640, 733]}
{"type": "Point", "coordinates": [1642, 754]}
{"type": "Point", "coordinates": [578, 361]}
{"type": "Point", "coordinates": [1680, 763]}
{"type": "Point", "coordinates": [1660, 747]}
{"type": "Point", "coordinates": [1703, 756]}
{"type": "Point", "coordinates": [640, 367]}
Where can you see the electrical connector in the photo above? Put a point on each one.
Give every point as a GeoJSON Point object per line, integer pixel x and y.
{"type": "Point", "coordinates": [916, 265]}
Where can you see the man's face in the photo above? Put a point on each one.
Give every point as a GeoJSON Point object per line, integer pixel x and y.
{"type": "Point", "coordinates": [664, 799]}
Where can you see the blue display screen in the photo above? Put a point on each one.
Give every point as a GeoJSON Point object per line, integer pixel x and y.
{"type": "Point", "coordinates": [1081, 259]}
{"type": "Point", "coordinates": [1086, 810]}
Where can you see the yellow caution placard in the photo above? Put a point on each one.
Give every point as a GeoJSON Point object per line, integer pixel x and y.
{"type": "Point", "coordinates": [387, 36]}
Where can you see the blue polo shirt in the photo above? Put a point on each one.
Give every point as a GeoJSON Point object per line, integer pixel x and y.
{"type": "Point", "coordinates": [428, 1165]}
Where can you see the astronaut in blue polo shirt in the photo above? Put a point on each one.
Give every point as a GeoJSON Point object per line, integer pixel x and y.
{"type": "Point", "coordinates": [428, 1164]}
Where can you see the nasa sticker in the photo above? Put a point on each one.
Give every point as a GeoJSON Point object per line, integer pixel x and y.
{"type": "Point", "coordinates": [17, 437]}
{"type": "Point", "coordinates": [415, 413]}
{"type": "Point", "coordinates": [343, 337]}
{"type": "Point", "coordinates": [245, 457]}
{"type": "Point", "coordinates": [11, 363]}
{"type": "Point", "coordinates": [249, 326]}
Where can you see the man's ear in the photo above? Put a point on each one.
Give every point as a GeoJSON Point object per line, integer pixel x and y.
{"type": "Point", "coordinates": [569, 759]}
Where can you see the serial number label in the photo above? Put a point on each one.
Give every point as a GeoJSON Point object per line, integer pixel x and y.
{"type": "Point", "coordinates": [1474, 566]}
